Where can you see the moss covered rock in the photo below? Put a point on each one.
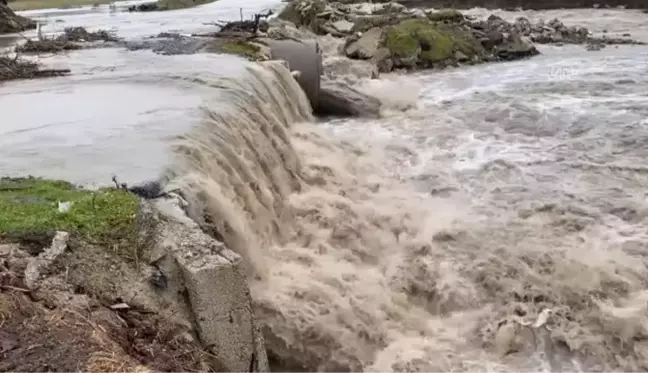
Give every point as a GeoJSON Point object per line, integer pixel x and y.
{"type": "Point", "coordinates": [421, 42]}
{"type": "Point", "coordinates": [449, 15]}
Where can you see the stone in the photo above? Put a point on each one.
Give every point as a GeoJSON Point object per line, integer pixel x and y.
{"type": "Point", "coordinates": [343, 26]}
{"type": "Point", "coordinates": [7, 249]}
{"type": "Point", "coordinates": [382, 60]}
{"type": "Point", "coordinates": [516, 47]}
{"type": "Point", "coordinates": [215, 281]}
{"type": "Point", "coordinates": [461, 57]}
{"type": "Point", "coordinates": [225, 319]}
{"type": "Point", "coordinates": [342, 68]}
{"type": "Point", "coordinates": [36, 265]}
{"type": "Point", "coordinates": [366, 46]}
{"type": "Point", "coordinates": [340, 99]}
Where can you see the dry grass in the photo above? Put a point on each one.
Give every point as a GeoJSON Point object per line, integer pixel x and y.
{"type": "Point", "coordinates": [109, 361]}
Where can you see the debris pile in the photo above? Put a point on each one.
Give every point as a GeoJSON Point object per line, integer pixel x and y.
{"type": "Point", "coordinates": [12, 68]}
{"type": "Point", "coordinates": [72, 38]}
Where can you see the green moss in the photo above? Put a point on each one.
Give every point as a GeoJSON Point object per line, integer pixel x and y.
{"type": "Point", "coordinates": [104, 217]}
{"type": "Point", "coordinates": [243, 49]}
{"type": "Point", "coordinates": [451, 15]}
{"type": "Point", "coordinates": [430, 41]}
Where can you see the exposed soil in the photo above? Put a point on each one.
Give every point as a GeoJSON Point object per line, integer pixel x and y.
{"type": "Point", "coordinates": [59, 291]}
{"type": "Point", "coordinates": [66, 323]}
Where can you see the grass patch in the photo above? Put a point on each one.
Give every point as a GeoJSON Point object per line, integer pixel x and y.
{"type": "Point", "coordinates": [450, 15]}
{"type": "Point", "coordinates": [243, 49]}
{"type": "Point", "coordinates": [105, 217]}
{"type": "Point", "coordinates": [21, 5]}
{"type": "Point", "coordinates": [430, 41]}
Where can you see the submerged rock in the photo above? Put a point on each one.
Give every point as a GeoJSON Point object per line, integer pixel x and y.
{"type": "Point", "coordinates": [340, 99]}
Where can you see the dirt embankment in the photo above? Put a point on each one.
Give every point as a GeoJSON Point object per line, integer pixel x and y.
{"type": "Point", "coordinates": [100, 280]}
{"type": "Point", "coordinates": [525, 4]}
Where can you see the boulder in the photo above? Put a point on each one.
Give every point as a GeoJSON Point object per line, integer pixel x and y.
{"type": "Point", "coordinates": [340, 99]}
{"type": "Point", "coordinates": [423, 43]}
{"type": "Point", "coordinates": [515, 47]}
{"type": "Point", "coordinates": [349, 70]}
{"type": "Point", "coordinates": [366, 46]}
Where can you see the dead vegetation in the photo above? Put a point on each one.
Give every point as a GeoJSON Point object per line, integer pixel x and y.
{"type": "Point", "coordinates": [70, 39]}
{"type": "Point", "coordinates": [12, 68]}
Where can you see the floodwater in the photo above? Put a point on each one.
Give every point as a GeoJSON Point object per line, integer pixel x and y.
{"type": "Point", "coordinates": [75, 127]}
{"type": "Point", "coordinates": [498, 225]}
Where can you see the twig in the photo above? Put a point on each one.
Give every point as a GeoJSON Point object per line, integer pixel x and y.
{"type": "Point", "coordinates": [9, 287]}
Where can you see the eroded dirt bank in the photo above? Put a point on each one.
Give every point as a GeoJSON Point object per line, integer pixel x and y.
{"type": "Point", "coordinates": [103, 281]}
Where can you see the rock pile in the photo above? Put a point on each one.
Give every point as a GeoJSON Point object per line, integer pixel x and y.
{"type": "Point", "coordinates": [393, 37]}
{"type": "Point", "coordinates": [556, 32]}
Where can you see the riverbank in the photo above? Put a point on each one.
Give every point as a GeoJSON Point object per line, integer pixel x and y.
{"type": "Point", "coordinates": [87, 268]}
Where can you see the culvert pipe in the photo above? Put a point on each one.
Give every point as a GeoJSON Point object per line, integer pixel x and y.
{"type": "Point", "coordinates": [304, 56]}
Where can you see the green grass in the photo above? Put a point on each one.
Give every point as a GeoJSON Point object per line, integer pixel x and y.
{"type": "Point", "coordinates": [432, 41]}
{"type": "Point", "coordinates": [104, 217]}
{"type": "Point", "coordinates": [243, 49]}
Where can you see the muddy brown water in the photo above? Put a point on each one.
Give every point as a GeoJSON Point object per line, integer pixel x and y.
{"type": "Point", "coordinates": [427, 240]}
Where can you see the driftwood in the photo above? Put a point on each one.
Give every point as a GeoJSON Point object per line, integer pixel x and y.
{"type": "Point", "coordinates": [243, 28]}
{"type": "Point", "coordinates": [67, 41]}
{"type": "Point", "coordinates": [17, 68]}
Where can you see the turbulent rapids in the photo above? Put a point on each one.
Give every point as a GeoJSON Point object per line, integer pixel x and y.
{"type": "Point", "coordinates": [498, 224]}
{"type": "Point", "coordinates": [397, 254]}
